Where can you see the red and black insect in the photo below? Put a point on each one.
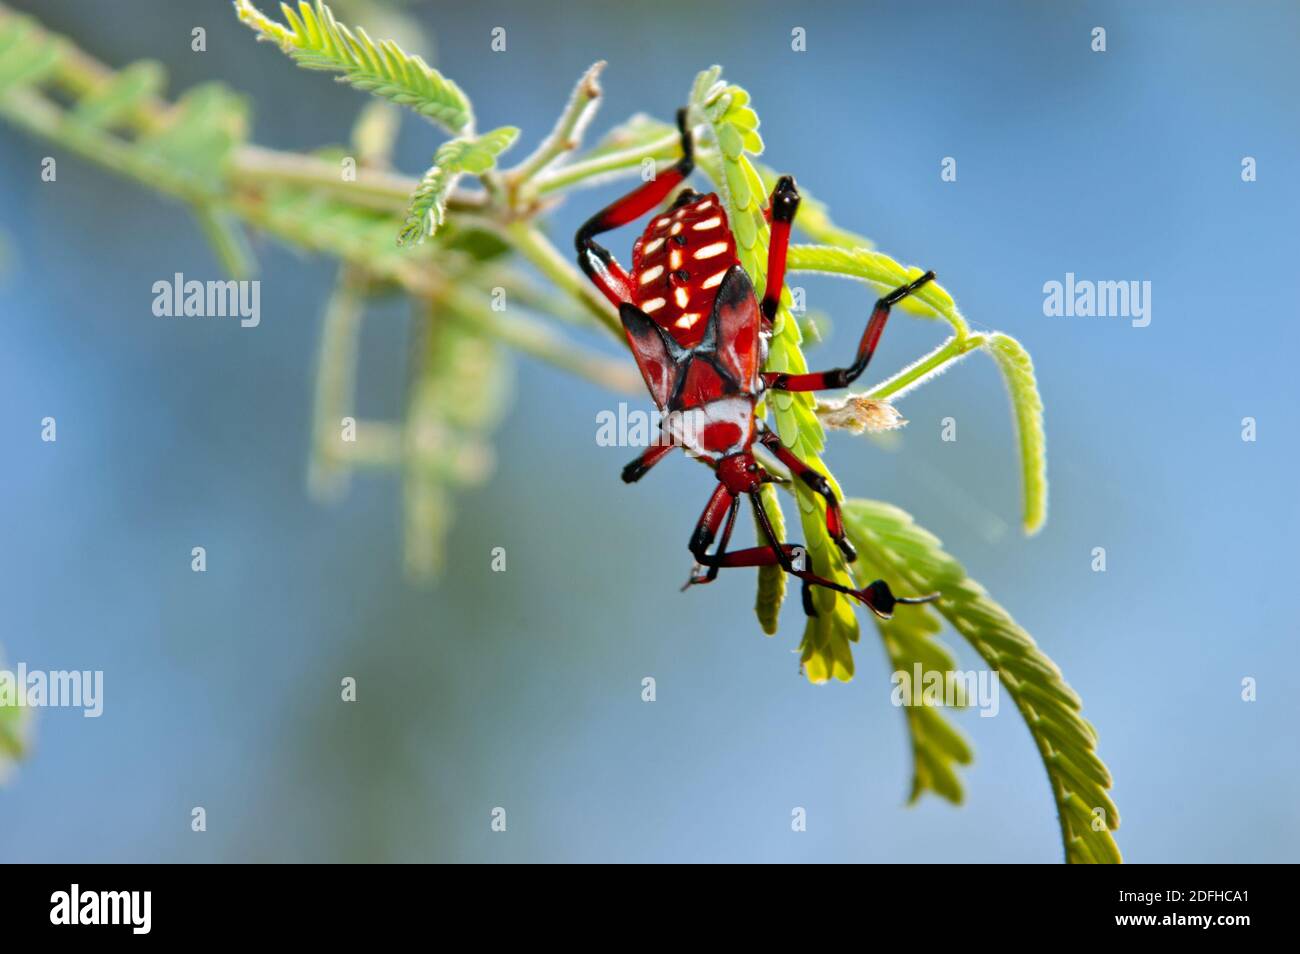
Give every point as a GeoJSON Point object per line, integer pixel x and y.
{"type": "Point", "coordinates": [700, 337]}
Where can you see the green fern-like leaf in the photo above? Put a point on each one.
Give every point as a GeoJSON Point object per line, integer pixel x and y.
{"type": "Point", "coordinates": [912, 638]}
{"type": "Point", "coordinates": [310, 220]}
{"type": "Point", "coordinates": [125, 91]}
{"type": "Point", "coordinates": [444, 443]}
{"type": "Point", "coordinates": [15, 723]}
{"type": "Point", "coordinates": [1027, 409]}
{"type": "Point", "coordinates": [824, 651]}
{"type": "Point", "coordinates": [913, 560]}
{"type": "Point", "coordinates": [474, 155]}
{"type": "Point", "coordinates": [771, 579]}
{"type": "Point", "coordinates": [882, 272]}
{"type": "Point", "coordinates": [200, 134]}
{"type": "Point", "coordinates": [316, 41]}
{"type": "Point", "coordinates": [937, 746]}
{"type": "Point", "coordinates": [12, 733]}
{"type": "Point", "coordinates": [27, 53]}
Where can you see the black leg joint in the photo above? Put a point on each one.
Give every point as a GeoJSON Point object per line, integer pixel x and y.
{"type": "Point", "coordinates": [880, 597]}
{"type": "Point", "coordinates": [687, 162]}
{"type": "Point", "coordinates": [805, 593]}
{"type": "Point", "coordinates": [839, 378]}
{"type": "Point", "coordinates": [685, 197]}
{"type": "Point", "coordinates": [785, 200]}
{"type": "Point", "coordinates": [818, 483]}
{"type": "Point", "coordinates": [699, 545]}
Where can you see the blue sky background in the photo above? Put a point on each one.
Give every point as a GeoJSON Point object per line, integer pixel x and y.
{"type": "Point", "coordinates": [522, 689]}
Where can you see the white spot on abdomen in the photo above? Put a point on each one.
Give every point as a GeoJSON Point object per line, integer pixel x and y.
{"type": "Point", "coordinates": [686, 428]}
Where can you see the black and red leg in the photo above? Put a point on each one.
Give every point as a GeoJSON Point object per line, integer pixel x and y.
{"type": "Point", "coordinates": [647, 459]}
{"type": "Point", "coordinates": [600, 266]}
{"type": "Point", "coordinates": [877, 596]}
{"type": "Point", "coordinates": [818, 484]}
{"type": "Point", "coordinates": [790, 557]}
{"type": "Point", "coordinates": [843, 377]}
{"type": "Point", "coordinates": [721, 506]}
{"type": "Point", "coordinates": [782, 206]}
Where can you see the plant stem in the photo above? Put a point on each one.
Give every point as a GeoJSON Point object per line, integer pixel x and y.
{"type": "Point", "coordinates": [372, 189]}
{"type": "Point", "coordinates": [535, 338]}
{"type": "Point", "coordinates": [42, 118]}
{"type": "Point", "coordinates": [951, 350]}
{"type": "Point", "coordinates": [335, 391]}
{"type": "Point", "coordinates": [669, 147]}
{"type": "Point", "coordinates": [567, 134]}
{"type": "Point", "coordinates": [528, 240]}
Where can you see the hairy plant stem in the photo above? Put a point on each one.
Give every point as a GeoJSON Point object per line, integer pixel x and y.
{"type": "Point", "coordinates": [536, 338]}
{"type": "Point", "coordinates": [372, 189]}
{"type": "Point", "coordinates": [592, 171]}
{"type": "Point", "coordinates": [567, 134]}
{"type": "Point", "coordinates": [529, 242]}
{"type": "Point", "coordinates": [951, 350]}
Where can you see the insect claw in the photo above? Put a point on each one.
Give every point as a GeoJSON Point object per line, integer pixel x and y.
{"type": "Point", "coordinates": [695, 578]}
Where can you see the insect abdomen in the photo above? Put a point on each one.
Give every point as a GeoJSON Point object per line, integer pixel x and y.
{"type": "Point", "coordinates": [678, 264]}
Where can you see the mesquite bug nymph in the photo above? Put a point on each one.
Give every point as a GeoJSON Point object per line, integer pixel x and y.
{"type": "Point", "coordinates": [700, 337]}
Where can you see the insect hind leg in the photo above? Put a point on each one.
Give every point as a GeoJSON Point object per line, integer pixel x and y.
{"type": "Point", "coordinates": [594, 259]}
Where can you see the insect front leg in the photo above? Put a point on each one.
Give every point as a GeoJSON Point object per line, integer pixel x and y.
{"type": "Point", "coordinates": [594, 259]}
{"type": "Point", "coordinates": [647, 459]}
{"type": "Point", "coordinates": [843, 377]}
{"type": "Point", "coordinates": [783, 204]}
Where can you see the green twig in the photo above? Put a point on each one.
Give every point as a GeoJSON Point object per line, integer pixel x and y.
{"type": "Point", "coordinates": [529, 241]}
{"type": "Point", "coordinates": [567, 134]}
{"type": "Point", "coordinates": [596, 169]}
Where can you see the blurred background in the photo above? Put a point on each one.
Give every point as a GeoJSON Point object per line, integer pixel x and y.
{"type": "Point", "coordinates": [522, 689]}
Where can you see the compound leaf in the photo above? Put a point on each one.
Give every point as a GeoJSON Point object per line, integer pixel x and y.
{"type": "Point", "coordinates": [474, 155]}
{"type": "Point", "coordinates": [316, 41]}
{"type": "Point", "coordinates": [914, 561]}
